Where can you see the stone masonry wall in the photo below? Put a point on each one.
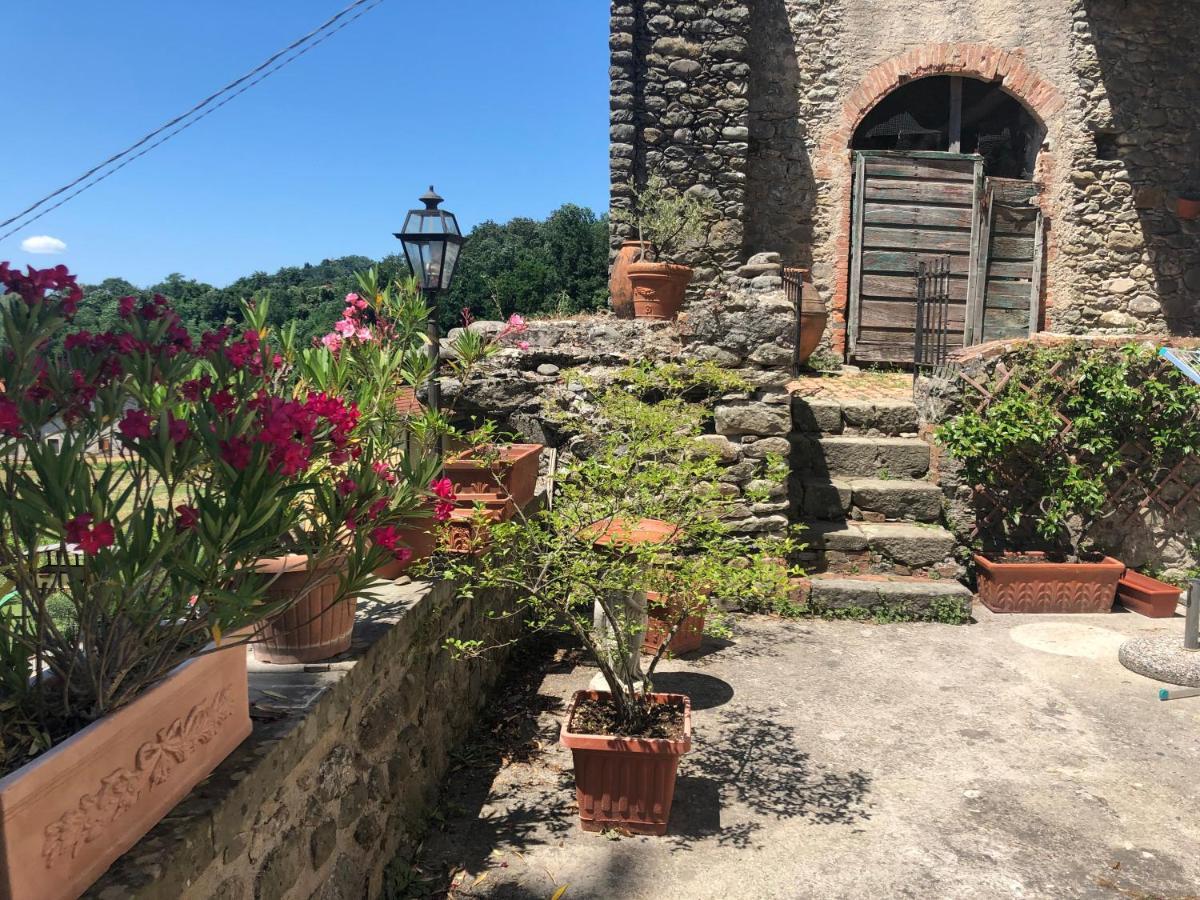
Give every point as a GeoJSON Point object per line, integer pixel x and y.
{"type": "Point", "coordinates": [316, 803]}
{"type": "Point", "coordinates": [539, 393]}
{"type": "Point", "coordinates": [679, 80]}
{"type": "Point", "coordinates": [1115, 83]}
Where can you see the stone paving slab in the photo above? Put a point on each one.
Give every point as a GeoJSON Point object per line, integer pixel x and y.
{"type": "Point", "coordinates": [1011, 758]}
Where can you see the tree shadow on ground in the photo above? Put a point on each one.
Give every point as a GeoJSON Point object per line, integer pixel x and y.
{"type": "Point", "coordinates": [705, 691]}
{"type": "Point", "coordinates": [755, 767]}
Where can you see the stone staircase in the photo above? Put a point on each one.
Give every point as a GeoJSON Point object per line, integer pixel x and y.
{"type": "Point", "coordinates": [861, 486]}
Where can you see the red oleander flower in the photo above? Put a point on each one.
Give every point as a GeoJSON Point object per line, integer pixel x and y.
{"type": "Point", "coordinates": [135, 424]}
{"type": "Point", "coordinates": [378, 508]}
{"type": "Point", "coordinates": [347, 486]}
{"type": "Point", "coordinates": [10, 418]}
{"type": "Point", "coordinates": [80, 340]}
{"type": "Point", "coordinates": [91, 540]}
{"type": "Point", "coordinates": [385, 536]}
{"type": "Point", "coordinates": [443, 487]}
{"type": "Point", "coordinates": [236, 452]}
{"type": "Point", "coordinates": [194, 389]}
{"type": "Point", "coordinates": [222, 401]}
{"type": "Point", "coordinates": [384, 471]}
{"type": "Point", "coordinates": [442, 510]}
{"type": "Point", "coordinates": [177, 430]}
{"type": "Point", "coordinates": [125, 306]}
{"type": "Point", "coordinates": [188, 517]}
{"type": "Point", "coordinates": [402, 554]}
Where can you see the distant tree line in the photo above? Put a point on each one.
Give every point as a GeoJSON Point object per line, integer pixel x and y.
{"type": "Point", "coordinates": [557, 266]}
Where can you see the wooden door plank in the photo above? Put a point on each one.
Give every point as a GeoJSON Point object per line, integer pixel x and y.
{"type": "Point", "coordinates": [907, 262]}
{"type": "Point", "coordinates": [1022, 269]}
{"type": "Point", "coordinates": [903, 314]}
{"type": "Point", "coordinates": [1012, 248]}
{"type": "Point", "coordinates": [1005, 294]}
{"type": "Point", "coordinates": [917, 216]}
{"type": "Point", "coordinates": [1035, 287]}
{"type": "Point", "coordinates": [940, 169]}
{"type": "Point", "coordinates": [905, 286]}
{"type": "Point", "coordinates": [921, 240]}
{"type": "Point", "coordinates": [980, 243]}
{"type": "Point", "coordinates": [857, 222]}
{"type": "Point", "coordinates": [894, 190]}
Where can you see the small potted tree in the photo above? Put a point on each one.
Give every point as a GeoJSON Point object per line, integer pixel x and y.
{"type": "Point", "coordinates": [667, 222]}
{"type": "Point", "coordinates": [640, 512]}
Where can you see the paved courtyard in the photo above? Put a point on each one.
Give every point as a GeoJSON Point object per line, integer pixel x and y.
{"type": "Point", "coordinates": [1010, 758]}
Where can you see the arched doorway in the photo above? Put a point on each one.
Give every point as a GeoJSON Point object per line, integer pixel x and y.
{"type": "Point", "coordinates": [943, 175]}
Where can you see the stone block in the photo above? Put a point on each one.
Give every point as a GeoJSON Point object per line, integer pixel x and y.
{"type": "Point", "coordinates": [752, 418]}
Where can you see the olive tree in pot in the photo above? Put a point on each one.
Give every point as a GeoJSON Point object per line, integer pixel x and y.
{"type": "Point", "coordinates": [666, 221]}
{"type": "Point", "coordinates": [639, 509]}
{"type": "Point", "coordinates": [125, 687]}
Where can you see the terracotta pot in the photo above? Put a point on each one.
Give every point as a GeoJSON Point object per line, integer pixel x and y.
{"type": "Point", "coordinates": [67, 815]}
{"type": "Point", "coordinates": [1188, 208]}
{"type": "Point", "coordinates": [618, 532]}
{"type": "Point", "coordinates": [1147, 596]}
{"type": "Point", "coordinates": [467, 534]}
{"type": "Point", "coordinates": [688, 637]}
{"type": "Point", "coordinates": [812, 314]}
{"type": "Point", "coordinates": [516, 471]}
{"type": "Point", "coordinates": [626, 782]}
{"type": "Point", "coordinates": [313, 627]}
{"type": "Point", "coordinates": [1047, 587]}
{"type": "Point", "coordinates": [619, 286]}
{"type": "Point", "coordinates": [658, 289]}
{"type": "Point", "coordinates": [420, 537]}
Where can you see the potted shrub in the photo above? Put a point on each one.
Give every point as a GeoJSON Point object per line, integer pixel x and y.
{"type": "Point", "coordinates": [666, 222]}
{"type": "Point", "coordinates": [114, 707]}
{"type": "Point", "coordinates": [1187, 204]}
{"type": "Point", "coordinates": [640, 513]}
{"type": "Point", "coordinates": [1041, 453]}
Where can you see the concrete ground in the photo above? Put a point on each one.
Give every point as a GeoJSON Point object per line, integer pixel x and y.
{"type": "Point", "coordinates": [1010, 758]}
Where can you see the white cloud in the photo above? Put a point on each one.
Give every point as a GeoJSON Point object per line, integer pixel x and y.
{"type": "Point", "coordinates": [43, 243]}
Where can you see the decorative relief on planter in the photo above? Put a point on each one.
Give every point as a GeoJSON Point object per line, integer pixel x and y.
{"type": "Point", "coordinates": [152, 766]}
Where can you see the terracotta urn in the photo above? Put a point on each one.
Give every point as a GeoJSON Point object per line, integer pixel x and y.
{"type": "Point", "coordinates": [313, 627]}
{"type": "Point", "coordinates": [812, 313]}
{"type": "Point", "coordinates": [658, 289]}
{"type": "Point", "coordinates": [620, 288]}
{"type": "Point", "coordinates": [625, 782]}
{"type": "Point", "coordinates": [67, 815]}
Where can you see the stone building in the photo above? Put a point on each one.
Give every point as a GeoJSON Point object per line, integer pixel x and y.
{"type": "Point", "coordinates": [1069, 124]}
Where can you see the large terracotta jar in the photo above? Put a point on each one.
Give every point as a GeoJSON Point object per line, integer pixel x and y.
{"type": "Point", "coordinates": [620, 289]}
{"type": "Point", "coordinates": [315, 626]}
{"type": "Point", "coordinates": [67, 815]}
{"type": "Point", "coordinates": [813, 315]}
{"type": "Point", "coordinates": [626, 782]}
{"type": "Point", "coordinates": [658, 289]}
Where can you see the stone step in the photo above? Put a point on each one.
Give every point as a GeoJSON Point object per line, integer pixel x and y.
{"type": "Point", "coordinates": [860, 457]}
{"type": "Point", "coordinates": [944, 600]}
{"type": "Point", "coordinates": [878, 548]}
{"type": "Point", "coordinates": [825, 416]}
{"type": "Point", "coordinates": [868, 499]}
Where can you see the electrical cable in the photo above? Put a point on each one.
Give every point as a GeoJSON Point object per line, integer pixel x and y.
{"type": "Point", "coordinates": [246, 85]}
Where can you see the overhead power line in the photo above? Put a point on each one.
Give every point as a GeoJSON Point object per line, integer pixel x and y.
{"type": "Point", "coordinates": [213, 102]}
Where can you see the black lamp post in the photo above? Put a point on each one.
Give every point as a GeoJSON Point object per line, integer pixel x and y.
{"type": "Point", "coordinates": [431, 241]}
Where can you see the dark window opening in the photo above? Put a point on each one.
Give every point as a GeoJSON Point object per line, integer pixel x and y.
{"type": "Point", "coordinates": [960, 115]}
{"type": "Point", "coordinates": [1106, 145]}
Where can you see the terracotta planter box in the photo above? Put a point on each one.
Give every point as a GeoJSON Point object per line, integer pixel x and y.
{"type": "Point", "coordinates": [1047, 587]}
{"type": "Point", "coordinates": [626, 782]}
{"type": "Point", "coordinates": [314, 627]}
{"type": "Point", "coordinates": [67, 815]}
{"type": "Point", "coordinates": [516, 470]}
{"type": "Point", "coordinates": [420, 537]}
{"type": "Point", "coordinates": [658, 289]}
{"type": "Point", "coordinates": [688, 637]}
{"type": "Point", "coordinates": [1147, 596]}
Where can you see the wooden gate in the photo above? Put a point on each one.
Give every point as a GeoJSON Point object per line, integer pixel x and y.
{"type": "Point", "coordinates": [911, 208]}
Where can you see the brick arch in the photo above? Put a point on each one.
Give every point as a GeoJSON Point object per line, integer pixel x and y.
{"type": "Point", "coordinates": [1007, 68]}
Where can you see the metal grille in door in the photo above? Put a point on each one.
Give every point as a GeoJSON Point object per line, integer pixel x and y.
{"type": "Point", "coordinates": [932, 341]}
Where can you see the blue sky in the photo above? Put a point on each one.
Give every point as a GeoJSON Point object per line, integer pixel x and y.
{"type": "Point", "coordinates": [502, 104]}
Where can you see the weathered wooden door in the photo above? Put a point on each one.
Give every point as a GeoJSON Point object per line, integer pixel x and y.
{"type": "Point", "coordinates": [909, 207]}
{"type": "Point", "coordinates": [920, 206]}
{"type": "Point", "coordinates": [1006, 278]}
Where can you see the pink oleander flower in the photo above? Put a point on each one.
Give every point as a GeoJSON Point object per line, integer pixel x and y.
{"type": "Point", "coordinates": [524, 345]}
{"type": "Point", "coordinates": [91, 540]}
{"type": "Point", "coordinates": [332, 342]}
{"type": "Point", "coordinates": [516, 322]}
{"type": "Point", "coordinates": [344, 327]}
{"type": "Point", "coordinates": [10, 418]}
{"type": "Point", "coordinates": [187, 517]}
{"type": "Point", "coordinates": [352, 299]}
{"type": "Point", "coordinates": [125, 306]}
{"type": "Point", "coordinates": [442, 510]}
{"type": "Point", "coordinates": [177, 430]}
{"type": "Point", "coordinates": [236, 452]}
{"type": "Point", "coordinates": [347, 486]}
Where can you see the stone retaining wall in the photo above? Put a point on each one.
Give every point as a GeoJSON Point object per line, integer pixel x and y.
{"type": "Point", "coordinates": [344, 762]}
